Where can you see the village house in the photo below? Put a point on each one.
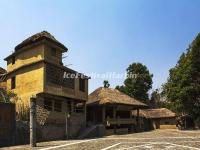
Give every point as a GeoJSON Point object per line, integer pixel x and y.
{"type": "Point", "coordinates": [113, 109]}
{"type": "Point", "coordinates": [35, 68]}
{"type": "Point", "coordinates": [161, 118]}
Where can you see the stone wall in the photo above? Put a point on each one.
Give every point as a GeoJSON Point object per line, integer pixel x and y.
{"type": "Point", "coordinates": [77, 124]}
{"type": "Point", "coordinates": [22, 132]}
{"type": "Point", "coordinates": [52, 125]}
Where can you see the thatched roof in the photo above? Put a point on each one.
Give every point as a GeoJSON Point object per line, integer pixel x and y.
{"type": "Point", "coordinates": [155, 113]}
{"type": "Point", "coordinates": [40, 36]}
{"type": "Point", "coordinates": [103, 96]}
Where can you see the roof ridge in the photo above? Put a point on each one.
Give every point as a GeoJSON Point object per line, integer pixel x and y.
{"type": "Point", "coordinates": [36, 37]}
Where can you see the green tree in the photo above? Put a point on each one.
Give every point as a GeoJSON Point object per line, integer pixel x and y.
{"type": "Point", "coordinates": [182, 89]}
{"type": "Point", "coordinates": [155, 100]}
{"type": "Point", "coordinates": [106, 84]}
{"type": "Point", "coordinates": [138, 82]}
{"type": "Point", "coordinates": [7, 96]}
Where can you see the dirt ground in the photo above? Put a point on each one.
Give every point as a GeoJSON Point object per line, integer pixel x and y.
{"type": "Point", "coordinates": [154, 140]}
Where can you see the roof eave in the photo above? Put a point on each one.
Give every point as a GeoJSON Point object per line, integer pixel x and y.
{"type": "Point", "coordinates": [6, 59]}
{"type": "Point", "coordinates": [124, 104]}
{"type": "Point", "coordinates": [64, 49]}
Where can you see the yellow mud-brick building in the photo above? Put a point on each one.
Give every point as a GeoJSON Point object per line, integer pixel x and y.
{"type": "Point", "coordinates": [36, 69]}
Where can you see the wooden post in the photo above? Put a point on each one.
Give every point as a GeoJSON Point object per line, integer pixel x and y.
{"type": "Point", "coordinates": [67, 116]}
{"type": "Point", "coordinates": [114, 116]}
{"type": "Point", "coordinates": [131, 119]}
{"type": "Point", "coordinates": [131, 114]}
{"type": "Point", "coordinates": [138, 113]}
{"type": "Point", "coordinates": [93, 117]}
{"type": "Point", "coordinates": [185, 123]}
{"type": "Point", "coordinates": [33, 121]}
{"type": "Point", "coordinates": [72, 106]}
{"type": "Point", "coordinates": [85, 112]}
{"type": "Point", "coordinates": [103, 114]}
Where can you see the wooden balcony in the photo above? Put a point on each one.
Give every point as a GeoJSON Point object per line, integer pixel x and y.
{"type": "Point", "coordinates": [120, 121]}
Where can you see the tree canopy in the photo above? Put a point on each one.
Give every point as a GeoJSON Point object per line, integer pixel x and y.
{"type": "Point", "coordinates": [155, 100]}
{"type": "Point", "coordinates": [106, 84]}
{"type": "Point", "coordinates": [138, 82]}
{"type": "Point", "coordinates": [182, 89]}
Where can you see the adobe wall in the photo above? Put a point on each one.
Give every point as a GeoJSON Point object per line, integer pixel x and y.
{"type": "Point", "coordinates": [29, 82]}
{"type": "Point", "coordinates": [29, 55]}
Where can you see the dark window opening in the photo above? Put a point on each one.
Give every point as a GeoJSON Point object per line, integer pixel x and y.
{"type": "Point", "coordinates": [13, 60]}
{"type": "Point", "coordinates": [69, 107]}
{"type": "Point", "coordinates": [13, 82]}
{"type": "Point", "coordinates": [48, 105]}
{"type": "Point", "coordinates": [69, 83]}
{"type": "Point", "coordinates": [58, 106]}
{"type": "Point", "coordinates": [79, 108]}
{"type": "Point", "coordinates": [167, 122]}
{"type": "Point", "coordinates": [81, 84]}
{"type": "Point", "coordinates": [53, 52]}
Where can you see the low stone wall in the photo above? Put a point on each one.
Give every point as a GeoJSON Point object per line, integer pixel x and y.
{"type": "Point", "coordinates": [118, 131]}
{"type": "Point", "coordinates": [52, 125]}
{"type": "Point", "coordinates": [77, 124]}
{"type": "Point", "coordinates": [94, 132]}
{"type": "Point", "coordinates": [22, 132]}
{"type": "Point", "coordinates": [49, 132]}
{"type": "Point", "coordinates": [168, 127]}
{"type": "Point", "coordinates": [122, 131]}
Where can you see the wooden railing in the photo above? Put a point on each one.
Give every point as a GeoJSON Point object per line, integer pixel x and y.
{"type": "Point", "coordinates": [118, 121]}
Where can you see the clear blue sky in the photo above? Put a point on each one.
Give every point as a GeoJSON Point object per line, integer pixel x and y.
{"type": "Point", "coordinates": [106, 35]}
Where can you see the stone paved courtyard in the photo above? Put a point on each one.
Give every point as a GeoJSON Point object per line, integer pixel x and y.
{"type": "Point", "coordinates": [156, 140]}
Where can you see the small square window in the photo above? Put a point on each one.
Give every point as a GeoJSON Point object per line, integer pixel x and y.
{"type": "Point", "coordinates": [53, 52]}
{"type": "Point", "coordinates": [58, 106]}
{"type": "Point", "coordinates": [81, 84]}
{"type": "Point", "coordinates": [13, 60]}
{"type": "Point", "coordinates": [13, 82]}
{"type": "Point", "coordinates": [48, 105]}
